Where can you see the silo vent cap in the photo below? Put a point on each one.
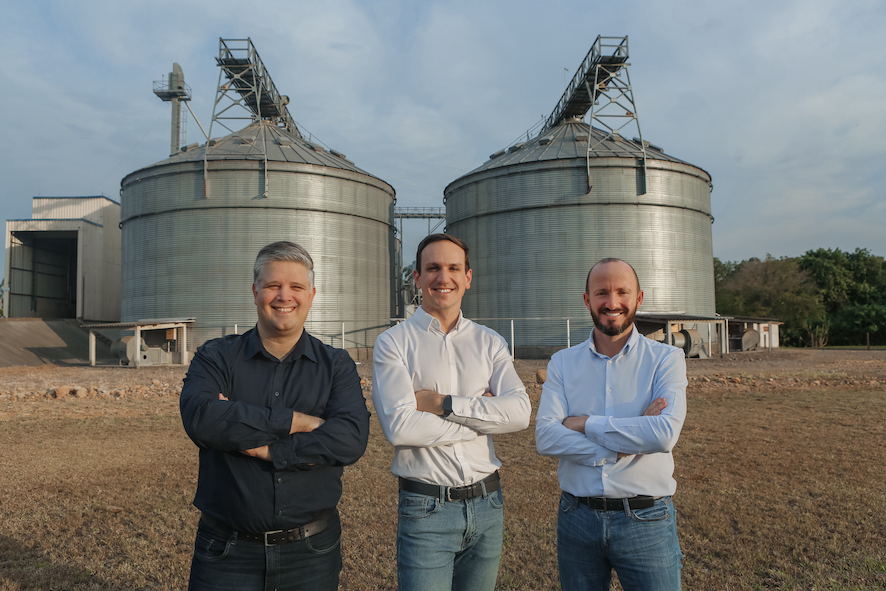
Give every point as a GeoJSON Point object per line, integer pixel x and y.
{"type": "Point", "coordinates": [496, 155]}
{"type": "Point", "coordinates": [544, 141]}
{"type": "Point", "coordinates": [516, 147]}
{"type": "Point", "coordinates": [581, 137]}
{"type": "Point", "coordinates": [284, 141]}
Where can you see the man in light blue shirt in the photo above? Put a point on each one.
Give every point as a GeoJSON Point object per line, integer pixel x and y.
{"type": "Point", "coordinates": [611, 410]}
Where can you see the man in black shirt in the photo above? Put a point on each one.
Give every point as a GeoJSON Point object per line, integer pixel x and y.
{"type": "Point", "coordinates": [276, 415]}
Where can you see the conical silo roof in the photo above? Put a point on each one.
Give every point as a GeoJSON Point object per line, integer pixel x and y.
{"type": "Point", "coordinates": [246, 144]}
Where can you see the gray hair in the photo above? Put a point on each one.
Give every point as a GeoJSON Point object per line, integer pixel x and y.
{"type": "Point", "coordinates": [282, 251]}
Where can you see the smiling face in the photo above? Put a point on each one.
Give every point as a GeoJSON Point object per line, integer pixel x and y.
{"type": "Point", "coordinates": [283, 297]}
{"type": "Point", "coordinates": [443, 280]}
{"type": "Point", "coordinates": [613, 296]}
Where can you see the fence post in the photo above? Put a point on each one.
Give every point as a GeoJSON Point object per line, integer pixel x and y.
{"type": "Point", "coordinates": [343, 335]}
{"type": "Point", "coordinates": [513, 344]}
{"type": "Point", "coordinates": [568, 335]}
{"type": "Point", "coordinates": [235, 329]}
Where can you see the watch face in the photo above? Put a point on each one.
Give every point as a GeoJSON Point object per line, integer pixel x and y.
{"type": "Point", "coordinates": [447, 406]}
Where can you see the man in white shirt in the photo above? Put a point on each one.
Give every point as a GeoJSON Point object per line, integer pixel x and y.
{"type": "Point", "coordinates": [612, 409]}
{"type": "Point", "coordinates": [442, 385]}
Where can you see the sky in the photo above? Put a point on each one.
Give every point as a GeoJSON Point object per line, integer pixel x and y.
{"type": "Point", "coordinates": [782, 103]}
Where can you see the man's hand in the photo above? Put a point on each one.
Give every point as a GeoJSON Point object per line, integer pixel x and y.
{"type": "Point", "coordinates": [575, 423]}
{"type": "Point", "coordinates": [262, 453]}
{"type": "Point", "coordinates": [429, 401]}
{"type": "Point", "coordinates": [578, 423]}
{"type": "Point", "coordinates": [302, 423]}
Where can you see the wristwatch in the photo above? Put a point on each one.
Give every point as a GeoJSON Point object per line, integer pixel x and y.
{"type": "Point", "coordinates": [447, 406]}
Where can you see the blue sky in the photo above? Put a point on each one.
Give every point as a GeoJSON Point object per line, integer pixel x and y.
{"type": "Point", "coordinates": [781, 102]}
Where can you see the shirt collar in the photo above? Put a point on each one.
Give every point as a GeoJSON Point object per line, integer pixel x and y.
{"type": "Point", "coordinates": [632, 342]}
{"type": "Point", "coordinates": [426, 321]}
{"type": "Point", "coordinates": [303, 348]}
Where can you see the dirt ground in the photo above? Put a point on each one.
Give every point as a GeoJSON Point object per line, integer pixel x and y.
{"type": "Point", "coordinates": [779, 470]}
{"type": "Point", "coordinates": [87, 392]}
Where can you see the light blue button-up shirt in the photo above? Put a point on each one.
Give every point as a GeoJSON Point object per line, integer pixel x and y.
{"type": "Point", "coordinates": [614, 393]}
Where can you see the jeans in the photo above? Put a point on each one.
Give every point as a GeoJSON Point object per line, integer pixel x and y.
{"type": "Point", "coordinates": [641, 545]}
{"type": "Point", "coordinates": [223, 563]}
{"type": "Point", "coordinates": [449, 545]}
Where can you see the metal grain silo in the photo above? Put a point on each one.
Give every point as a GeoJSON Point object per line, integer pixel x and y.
{"type": "Point", "coordinates": [194, 223]}
{"type": "Point", "coordinates": [540, 213]}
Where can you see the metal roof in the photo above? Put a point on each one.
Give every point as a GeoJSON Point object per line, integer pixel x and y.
{"type": "Point", "coordinates": [570, 140]}
{"type": "Point", "coordinates": [250, 143]}
{"type": "Point", "coordinates": [679, 317]}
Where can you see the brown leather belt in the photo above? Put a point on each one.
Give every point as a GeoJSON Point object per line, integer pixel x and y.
{"type": "Point", "coordinates": [276, 537]}
{"type": "Point", "coordinates": [453, 493]}
{"type": "Point", "coordinates": [603, 504]}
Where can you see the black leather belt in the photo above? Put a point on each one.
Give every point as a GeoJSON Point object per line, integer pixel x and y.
{"type": "Point", "coordinates": [602, 504]}
{"type": "Point", "coordinates": [453, 493]}
{"type": "Point", "coordinates": [276, 537]}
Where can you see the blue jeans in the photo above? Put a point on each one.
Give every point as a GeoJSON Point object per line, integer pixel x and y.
{"type": "Point", "coordinates": [449, 545]}
{"type": "Point", "coordinates": [641, 545]}
{"type": "Point", "coordinates": [223, 563]}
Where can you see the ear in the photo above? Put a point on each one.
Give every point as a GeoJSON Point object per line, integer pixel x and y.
{"type": "Point", "coordinates": [416, 278]}
{"type": "Point", "coordinates": [587, 300]}
{"type": "Point", "coordinates": [640, 299]}
{"type": "Point", "coordinates": [468, 275]}
{"type": "Point", "coordinates": [254, 293]}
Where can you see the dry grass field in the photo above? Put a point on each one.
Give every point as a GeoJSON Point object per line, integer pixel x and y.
{"type": "Point", "coordinates": [780, 470]}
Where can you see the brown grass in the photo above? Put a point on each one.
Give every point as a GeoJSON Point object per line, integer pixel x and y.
{"type": "Point", "coordinates": [780, 486]}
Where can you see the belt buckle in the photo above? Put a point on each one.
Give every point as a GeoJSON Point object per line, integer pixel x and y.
{"type": "Point", "coordinates": [270, 533]}
{"type": "Point", "coordinates": [449, 493]}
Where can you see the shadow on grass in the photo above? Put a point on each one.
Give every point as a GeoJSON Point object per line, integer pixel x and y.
{"type": "Point", "coordinates": [29, 569]}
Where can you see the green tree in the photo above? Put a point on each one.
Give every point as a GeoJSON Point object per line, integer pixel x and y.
{"type": "Point", "coordinates": [773, 288]}
{"type": "Point", "coordinates": [852, 286]}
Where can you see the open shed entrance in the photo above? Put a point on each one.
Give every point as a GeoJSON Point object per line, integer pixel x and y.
{"type": "Point", "coordinates": [43, 274]}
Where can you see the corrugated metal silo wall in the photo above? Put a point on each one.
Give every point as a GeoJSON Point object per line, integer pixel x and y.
{"type": "Point", "coordinates": [534, 232]}
{"type": "Point", "coordinates": [189, 256]}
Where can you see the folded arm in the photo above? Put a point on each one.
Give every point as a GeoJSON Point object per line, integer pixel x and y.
{"type": "Point", "coordinates": [397, 408]}
{"type": "Point", "coordinates": [340, 437]}
{"type": "Point", "coordinates": [505, 410]}
{"type": "Point", "coordinates": [657, 433]}
{"type": "Point", "coordinates": [215, 423]}
{"type": "Point", "coordinates": [553, 437]}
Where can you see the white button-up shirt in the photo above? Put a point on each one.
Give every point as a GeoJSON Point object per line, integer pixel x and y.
{"type": "Point", "coordinates": [614, 393]}
{"type": "Point", "coordinates": [465, 363]}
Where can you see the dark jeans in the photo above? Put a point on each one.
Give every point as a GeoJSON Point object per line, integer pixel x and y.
{"type": "Point", "coordinates": [223, 563]}
{"type": "Point", "coordinates": [640, 544]}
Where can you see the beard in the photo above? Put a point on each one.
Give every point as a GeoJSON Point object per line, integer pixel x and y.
{"type": "Point", "coordinates": [615, 329]}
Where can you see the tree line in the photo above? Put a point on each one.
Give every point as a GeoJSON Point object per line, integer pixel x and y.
{"type": "Point", "coordinates": [824, 297]}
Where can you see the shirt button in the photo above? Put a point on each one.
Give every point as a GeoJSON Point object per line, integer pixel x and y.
{"type": "Point", "coordinates": [284, 462]}
{"type": "Point", "coordinates": [609, 389]}
{"type": "Point", "coordinates": [279, 480]}
{"type": "Point", "coordinates": [606, 476]}
{"type": "Point", "coordinates": [276, 393]}
{"type": "Point", "coordinates": [279, 512]}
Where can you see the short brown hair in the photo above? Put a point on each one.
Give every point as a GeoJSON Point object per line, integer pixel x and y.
{"type": "Point", "coordinates": [611, 260]}
{"type": "Point", "coordinates": [437, 238]}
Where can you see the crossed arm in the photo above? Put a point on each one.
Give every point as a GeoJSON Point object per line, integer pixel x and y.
{"type": "Point", "coordinates": [301, 423]}
{"type": "Point", "coordinates": [593, 440]}
{"type": "Point", "coordinates": [290, 439]}
{"type": "Point", "coordinates": [411, 417]}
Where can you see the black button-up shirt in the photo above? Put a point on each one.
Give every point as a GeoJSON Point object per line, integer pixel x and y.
{"type": "Point", "coordinates": [255, 495]}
